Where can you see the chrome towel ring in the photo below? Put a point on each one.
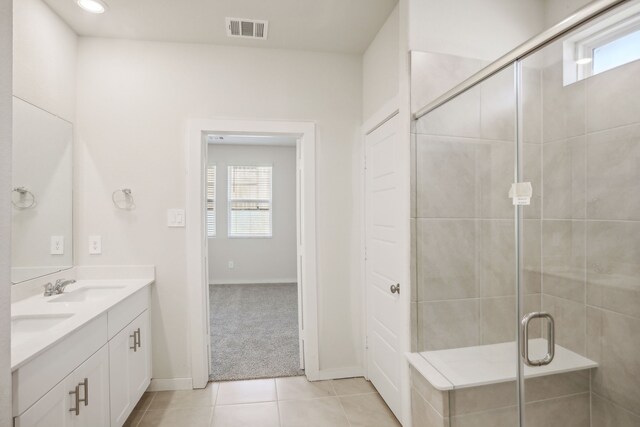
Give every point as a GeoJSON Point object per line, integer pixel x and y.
{"type": "Point", "coordinates": [123, 199]}
{"type": "Point", "coordinates": [25, 199]}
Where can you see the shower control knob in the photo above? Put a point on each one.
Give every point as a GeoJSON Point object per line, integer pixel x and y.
{"type": "Point", "coordinates": [395, 289]}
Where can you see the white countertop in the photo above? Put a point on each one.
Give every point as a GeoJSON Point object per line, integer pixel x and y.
{"type": "Point", "coordinates": [489, 364]}
{"type": "Point", "coordinates": [79, 314]}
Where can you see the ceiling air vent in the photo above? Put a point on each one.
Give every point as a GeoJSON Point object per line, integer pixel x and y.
{"type": "Point", "coordinates": [247, 28]}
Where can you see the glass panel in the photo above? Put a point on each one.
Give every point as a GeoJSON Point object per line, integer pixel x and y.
{"type": "Point", "coordinates": [464, 251]}
{"type": "Point", "coordinates": [618, 52]}
{"type": "Point", "coordinates": [582, 240]}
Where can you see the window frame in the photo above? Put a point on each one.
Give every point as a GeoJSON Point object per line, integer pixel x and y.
{"type": "Point", "coordinates": [583, 44]}
{"type": "Point", "coordinates": [230, 235]}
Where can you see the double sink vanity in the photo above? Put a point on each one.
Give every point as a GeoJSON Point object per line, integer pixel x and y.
{"type": "Point", "coordinates": [80, 336]}
{"type": "Point", "coordinates": [82, 357]}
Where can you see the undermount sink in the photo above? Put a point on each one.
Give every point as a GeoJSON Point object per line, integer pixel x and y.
{"type": "Point", "coordinates": [23, 327]}
{"type": "Point", "coordinates": [87, 294]}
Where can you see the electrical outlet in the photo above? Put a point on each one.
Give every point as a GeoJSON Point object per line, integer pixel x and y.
{"type": "Point", "coordinates": [231, 265]}
{"type": "Point", "coordinates": [95, 245]}
{"type": "Point", "coordinates": [57, 245]}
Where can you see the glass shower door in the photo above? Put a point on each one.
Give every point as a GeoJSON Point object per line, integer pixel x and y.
{"type": "Point", "coordinates": [580, 144]}
{"type": "Point", "coordinates": [464, 228]}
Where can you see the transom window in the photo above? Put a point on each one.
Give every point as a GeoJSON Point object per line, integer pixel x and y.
{"type": "Point", "coordinates": [250, 201]}
{"type": "Point", "coordinates": [608, 44]}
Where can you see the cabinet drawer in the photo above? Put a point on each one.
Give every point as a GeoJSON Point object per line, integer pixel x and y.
{"type": "Point", "coordinates": [122, 314]}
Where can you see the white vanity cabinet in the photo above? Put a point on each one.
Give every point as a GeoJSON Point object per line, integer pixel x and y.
{"type": "Point", "coordinates": [94, 376]}
{"type": "Point", "coordinates": [81, 399]}
{"type": "Point", "coordinates": [130, 363]}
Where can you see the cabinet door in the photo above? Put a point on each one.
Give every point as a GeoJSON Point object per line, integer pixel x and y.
{"type": "Point", "coordinates": [93, 379]}
{"type": "Point", "coordinates": [53, 409]}
{"type": "Point", "coordinates": [141, 359]}
{"type": "Point", "coordinates": [119, 373]}
{"type": "Point", "coordinates": [129, 368]}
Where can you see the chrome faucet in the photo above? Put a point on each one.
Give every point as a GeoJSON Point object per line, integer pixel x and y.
{"type": "Point", "coordinates": [48, 289]}
{"type": "Point", "coordinates": [58, 288]}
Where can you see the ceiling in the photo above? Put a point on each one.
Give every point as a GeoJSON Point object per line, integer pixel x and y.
{"type": "Point", "coordinates": [346, 26]}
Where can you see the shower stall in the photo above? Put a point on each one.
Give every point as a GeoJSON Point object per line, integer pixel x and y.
{"type": "Point", "coordinates": [526, 234]}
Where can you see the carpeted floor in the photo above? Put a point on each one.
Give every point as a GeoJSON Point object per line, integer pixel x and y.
{"type": "Point", "coordinates": [254, 331]}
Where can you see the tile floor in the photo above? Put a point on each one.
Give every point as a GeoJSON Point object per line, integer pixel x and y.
{"type": "Point", "coordinates": [280, 402]}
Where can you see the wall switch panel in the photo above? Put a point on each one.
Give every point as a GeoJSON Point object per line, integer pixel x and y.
{"type": "Point", "coordinates": [57, 245]}
{"type": "Point", "coordinates": [175, 218]}
{"type": "Point", "coordinates": [231, 265]}
{"type": "Point", "coordinates": [95, 245]}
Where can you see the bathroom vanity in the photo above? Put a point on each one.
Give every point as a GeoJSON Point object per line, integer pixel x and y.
{"type": "Point", "coordinates": [83, 357]}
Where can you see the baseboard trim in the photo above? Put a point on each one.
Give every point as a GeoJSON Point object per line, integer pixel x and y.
{"type": "Point", "coordinates": [168, 384]}
{"type": "Point", "coordinates": [335, 374]}
{"type": "Point", "coordinates": [252, 282]}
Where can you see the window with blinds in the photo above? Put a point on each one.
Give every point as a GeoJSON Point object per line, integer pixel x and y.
{"type": "Point", "coordinates": [211, 201]}
{"type": "Point", "coordinates": [250, 204]}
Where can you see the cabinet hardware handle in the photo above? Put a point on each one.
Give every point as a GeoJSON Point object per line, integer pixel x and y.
{"type": "Point", "coordinates": [135, 341]}
{"type": "Point", "coordinates": [85, 384]}
{"type": "Point", "coordinates": [524, 349]}
{"type": "Point", "coordinates": [77, 399]}
{"type": "Point", "coordinates": [395, 289]}
{"type": "Point", "coordinates": [139, 340]}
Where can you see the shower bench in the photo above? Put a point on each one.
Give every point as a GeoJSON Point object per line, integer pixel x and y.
{"type": "Point", "coordinates": [477, 386]}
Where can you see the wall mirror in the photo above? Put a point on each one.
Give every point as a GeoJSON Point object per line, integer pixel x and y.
{"type": "Point", "coordinates": [41, 200]}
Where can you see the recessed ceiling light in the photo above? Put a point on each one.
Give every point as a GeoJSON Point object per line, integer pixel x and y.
{"type": "Point", "coordinates": [92, 6]}
{"type": "Point", "coordinates": [584, 61]}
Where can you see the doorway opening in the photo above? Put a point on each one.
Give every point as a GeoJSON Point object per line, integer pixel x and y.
{"type": "Point", "coordinates": [197, 242]}
{"type": "Point", "coordinates": [252, 232]}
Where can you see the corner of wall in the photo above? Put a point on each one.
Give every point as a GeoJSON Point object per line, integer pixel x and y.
{"type": "Point", "coordinates": [6, 53]}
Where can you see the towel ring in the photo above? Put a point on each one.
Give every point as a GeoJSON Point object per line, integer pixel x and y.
{"type": "Point", "coordinates": [26, 199]}
{"type": "Point", "coordinates": [123, 199]}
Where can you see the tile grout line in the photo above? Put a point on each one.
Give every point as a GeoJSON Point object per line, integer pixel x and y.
{"type": "Point", "coordinates": [344, 412]}
{"type": "Point", "coordinates": [275, 385]}
{"type": "Point", "coordinates": [144, 412]}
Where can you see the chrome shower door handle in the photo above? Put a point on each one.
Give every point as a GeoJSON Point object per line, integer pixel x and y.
{"type": "Point", "coordinates": [524, 348]}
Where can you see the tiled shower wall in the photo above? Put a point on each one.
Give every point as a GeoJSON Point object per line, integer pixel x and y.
{"type": "Point", "coordinates": [462, 217]}
{"type": "Point", "coordinates": [582, 231]}
{"type": "Point", "coordinates": [591, 228]}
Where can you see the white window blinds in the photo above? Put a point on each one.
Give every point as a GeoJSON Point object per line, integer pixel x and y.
{"type": "Point", "coordinates": [211, 201]}
{"type": "Point", "coordinates": [250, 204]}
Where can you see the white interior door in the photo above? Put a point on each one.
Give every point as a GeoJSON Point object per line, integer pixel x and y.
{"type": "Point", "coordinates": [383, 262]}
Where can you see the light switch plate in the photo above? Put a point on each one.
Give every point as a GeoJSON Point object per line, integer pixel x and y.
{"type": "Point", "coordinates": [95, 245]}
{"type": "Point", "coordinates": [57, 245]}
{"type": "Point", "coordinates": [175, 218]}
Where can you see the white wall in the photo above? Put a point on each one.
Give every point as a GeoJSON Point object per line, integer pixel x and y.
{"type": "Point", "coordinates": [259, 260]}
{"type": "Point", "coordinates": [471, 28]}
{"type": "Point", "coordinates": [5, 211]}
{"type": "Point", "coordinates": [134, 99]}
{"type": "Point", "coordinates": [452, 41]}
{"type": "Point", "coordinates": [557, 10]}
{"type": "Point", "coordinates": [44, 62]}
{"type": "Point", "coordinates": [380, 68]}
